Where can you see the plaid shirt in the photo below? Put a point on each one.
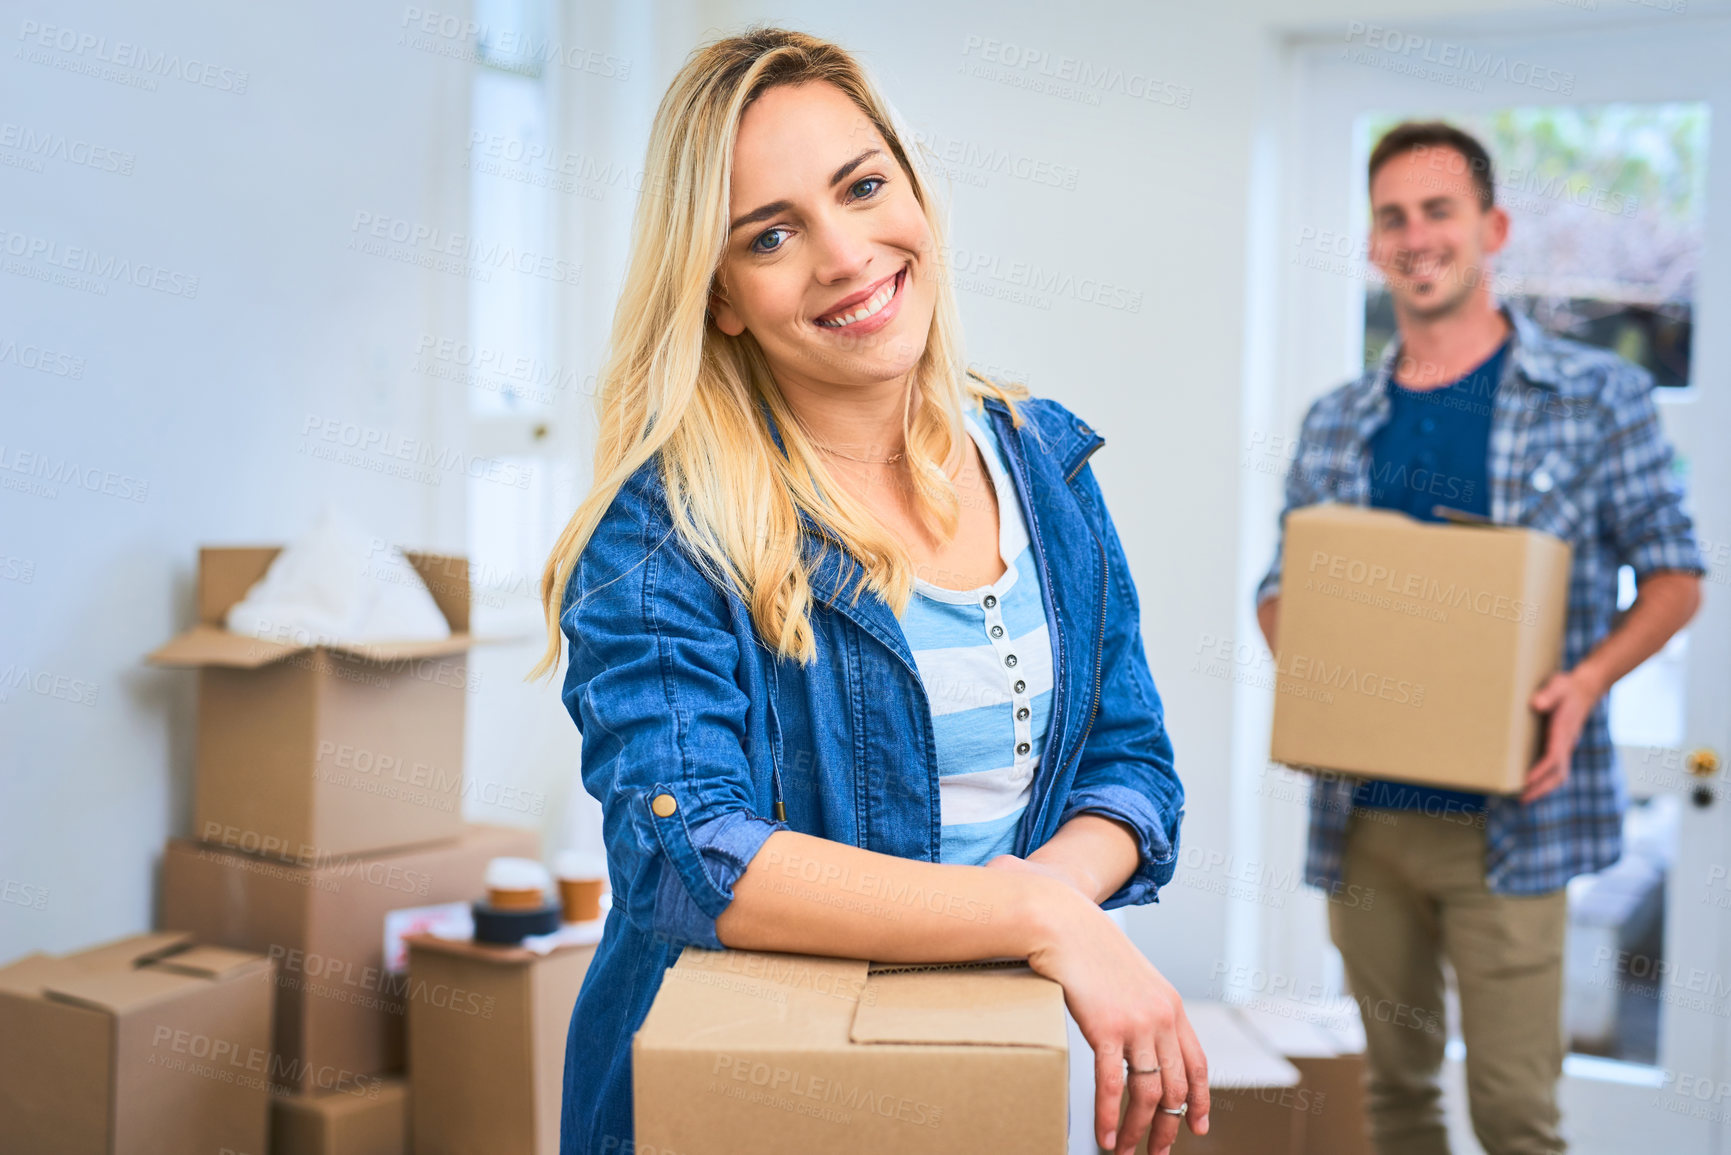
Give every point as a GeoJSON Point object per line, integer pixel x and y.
{"type": "Point", "coordinates": [1576, 451]}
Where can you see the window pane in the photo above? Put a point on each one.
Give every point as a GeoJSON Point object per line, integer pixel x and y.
{"type": "Point", "coordinates": [1606, 207]}
{"type": "Point", "coordinates": [511, 300]}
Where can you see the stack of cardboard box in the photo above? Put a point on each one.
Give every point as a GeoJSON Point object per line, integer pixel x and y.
{"type": "Point", "coordinates": [328, 795]}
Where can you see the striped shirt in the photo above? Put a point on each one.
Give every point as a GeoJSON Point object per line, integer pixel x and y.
{"type": "Point", "coordinates": [985, 659]}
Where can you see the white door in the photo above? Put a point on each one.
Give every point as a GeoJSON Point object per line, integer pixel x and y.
{"type": "Point", "coordinates": [1657, 1007]}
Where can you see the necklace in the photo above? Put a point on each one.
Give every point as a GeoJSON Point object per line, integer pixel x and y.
{"type": "Point", "coordinates": [890, 460]}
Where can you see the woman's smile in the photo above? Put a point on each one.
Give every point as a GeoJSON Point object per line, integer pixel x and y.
{"type": "Point", "coordinates": [868, 310]}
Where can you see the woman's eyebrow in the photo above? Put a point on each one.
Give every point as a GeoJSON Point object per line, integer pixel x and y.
{"type": "Point", "coordinates": [764, 212]}
{"type": "Point", "coordinates": [840, 174]}
{"type": "Point", "coordinates": [761, 214]}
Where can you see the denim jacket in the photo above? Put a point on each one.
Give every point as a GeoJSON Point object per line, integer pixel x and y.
{"type": "Point", "coordinates": [693, 729]}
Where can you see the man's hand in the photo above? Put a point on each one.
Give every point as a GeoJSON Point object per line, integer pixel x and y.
{"type": "Point", "coordinates": [1566, 699]}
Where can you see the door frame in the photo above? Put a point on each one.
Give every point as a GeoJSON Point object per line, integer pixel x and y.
{"type": "Point", "coordinates": [1320, 209]}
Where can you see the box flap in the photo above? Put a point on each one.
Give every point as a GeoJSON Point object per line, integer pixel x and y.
{"type": "Point", "coordinates": [33, 973]}
{"type": "Point", "coordinates": [128, 950]}
{"type": "Point", "coordinates": [135, 972]}
{"type": "Point", "coordinates": [225, 573]}
{"type": "Point", "coordinates": [403, 651]}
{"type": "Point", "coordinates": [117, 991]}
{"type": "Point", "coordinates": [207, 645]}
{"type": "Point", "coordinates": [1347, 513]}
{"type": "Point", "coordinates": [1237, 1056]}
{"type": "Point", "coordinates": [447, 578]}
{"type": "Point", "coordinates": [976, 1005]}
{"type": "Point", "coordinates": [754, 999]}
{"type": "Point", "coordinates": [28, 975]}
{"type": "Point", "coordinates": [208, 962]}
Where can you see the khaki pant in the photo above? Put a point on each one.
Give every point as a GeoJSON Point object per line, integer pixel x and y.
{"type": "Point", "coordinates": [1430, 900]}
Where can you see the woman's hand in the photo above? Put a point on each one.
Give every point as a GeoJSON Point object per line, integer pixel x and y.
{"type": "Point", "coordinates": [1069, 876]}
{"type": "Point", "coordinates": [1126, 1010]}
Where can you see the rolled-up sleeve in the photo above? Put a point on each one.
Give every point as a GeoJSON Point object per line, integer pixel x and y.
{"type": "Point", "coordinates": [650, 682]}
{"type": "Point", "coordinates": [1643, 510]}
{"type": "Point", "coordinates": [1125, 770]}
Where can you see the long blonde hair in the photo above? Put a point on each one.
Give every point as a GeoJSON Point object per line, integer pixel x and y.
{"type": "Point", "coordinates": [674, 385]}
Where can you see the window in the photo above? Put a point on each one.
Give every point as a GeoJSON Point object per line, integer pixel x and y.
{"type": "Point", "coordinates": [1606, 207]}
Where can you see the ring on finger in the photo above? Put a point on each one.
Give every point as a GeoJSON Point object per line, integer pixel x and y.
{"type": "Point", "coordinates": [1154, 1070]}
{"type": "Point", "coordinates": [1180, 1110]}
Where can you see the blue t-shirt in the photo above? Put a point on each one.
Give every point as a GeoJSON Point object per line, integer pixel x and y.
{"type": "Point", "coordinates": [1434, 450]}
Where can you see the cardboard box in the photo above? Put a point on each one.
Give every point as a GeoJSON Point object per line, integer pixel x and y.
{"type": "Point", "coordinates": [318, 750]}
{"type": "Point", "coordinates": [150, 1045]}
{"type": "Point", "coordinates": [1256, 1106]}
{"type": "Point", "coordinates": [487, 1031]}
{"type": "Point", "coordinates": [339, 1012]}
{"type": "Point", "coordinates": [1409, 649]}
{"type": "Point", "coordinates": [745, 1053]}
{"type": "Point", "coordinates": [1331, 1076]}
{"type": "Point", "coordinates": [373, 1120]}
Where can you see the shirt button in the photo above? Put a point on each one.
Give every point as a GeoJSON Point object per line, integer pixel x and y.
{"type": "Point", "coordinates": [1023, 712]}
{"type": "Point", "coordinates": [1020, 686]}
{"type": "Point", "coordinates": [997, 631]}
{"type": "Point", "coordinates": [663, 805]}
{"type": "Point", "coordinates": [1022, 747]}
{"type": "Point", "coordinates": [991, 600]}
{"type": "Point", "coordinates": [1009, 659]}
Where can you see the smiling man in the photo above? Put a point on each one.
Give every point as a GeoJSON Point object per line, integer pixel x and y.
{"type": "Point", "coordinates": [1476, 408]}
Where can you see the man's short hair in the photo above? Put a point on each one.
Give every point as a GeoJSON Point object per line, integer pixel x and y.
{"type": "Point", "coordinates": [1423, 135]}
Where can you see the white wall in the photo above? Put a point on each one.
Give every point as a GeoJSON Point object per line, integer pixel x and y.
{"type": "Point", "coordinates": [202, 399]}
{"type": "Point", "coordinates": [207, 399]}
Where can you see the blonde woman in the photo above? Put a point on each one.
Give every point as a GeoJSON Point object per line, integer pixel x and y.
{"type": "Point", "coordinates": [853, 646]}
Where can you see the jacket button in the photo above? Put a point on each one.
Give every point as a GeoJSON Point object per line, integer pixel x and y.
{"type": "Point", "coordinates": [663, 805]}
{"type": "Point", "coordinates": [1082, 427]}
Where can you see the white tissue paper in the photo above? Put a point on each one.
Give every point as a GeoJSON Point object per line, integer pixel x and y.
{"type": "Point", "coordinates": [339, 584]}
